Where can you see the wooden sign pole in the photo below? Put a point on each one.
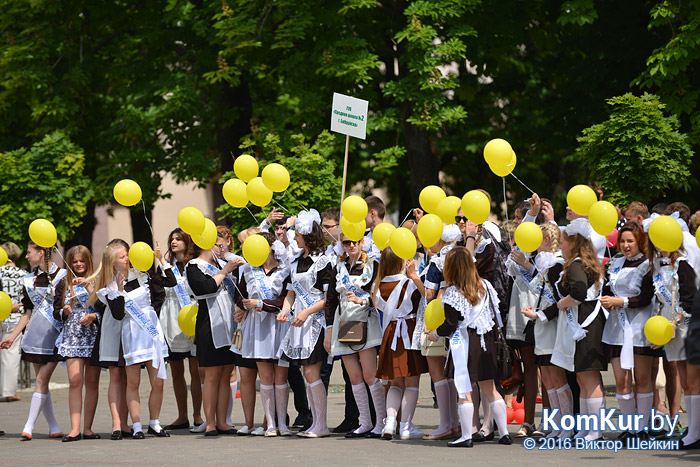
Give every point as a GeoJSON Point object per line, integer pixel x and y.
{"type": "Point", "coordinates": [345, 167]}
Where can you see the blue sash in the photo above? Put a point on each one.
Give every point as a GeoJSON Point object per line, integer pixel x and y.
{"type": "Point", "coordinates": [661, 289]}
{"type": "Point", "coordinates": [347, 283]}
{"type": "Point", "coordinates": [303, 295]}
{"type": "Point", "coordinates": [141, 318]}
{"type": "Point", "coordinates": [228, 283]}
{"type": "Point", "coordinates": [261, 280]}
{"type": "Point", "coordinates": [180, 290]}
{"type": "Point", "coordinates": [41, 304]}
{"type": "Point", "coordinates": [81, 294]}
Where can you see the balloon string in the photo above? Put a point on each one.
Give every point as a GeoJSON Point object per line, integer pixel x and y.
{"type": "Point", "coordinates": [65, 262]}
{"type": "Point", "coordinates": [255, 219]}
{"type": "Point", "coordinates": [505, 201]}
{"type": "Point", "coordinates": [146, 217]}
{"type": "Point", "coordinates": [521, 182]}
{"type": "Point", "coordinates": [404, 219]}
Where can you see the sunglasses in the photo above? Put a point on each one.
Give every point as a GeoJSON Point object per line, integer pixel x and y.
{"type": "Point", "coordinates": [349, 242]}
{"type": "Point", "coordinates": [459, 219]}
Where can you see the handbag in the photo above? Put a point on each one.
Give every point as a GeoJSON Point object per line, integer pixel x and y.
{"type": "Point", "coordinates": [429, 348]}
{"type": "Point", "coordinates": [352, 332]}
{"type": "Point", "coordinates": [237, 341]}
{"type": "Point", "coordinates": [503, 352]}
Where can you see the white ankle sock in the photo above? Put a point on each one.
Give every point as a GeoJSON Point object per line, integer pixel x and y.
{"type": "Point", "coordinates": [393, 401]}
{"type": "Point", "coordinates": [281, 401]}
{"type": "Point", "coordinates": [231, 403]}
{"type": "Point", "coordinates": [644, 403]}
{"type": "Point", "coordinates": [466, 413]}
{"type": "Point", "coordinates": [137, 427]}
{"type": "Point", "coordinates": [320, 401]}
{"type": "Point", "coordinates": [379, 401]}
{"type": "Point", "coordinates": [582, 408]}
{"type": "Point", "coordinates": [594, 405]}
{"type": "Point", "coordinates": [38, 402]}
{"type": "Point", "coordinates": [408, 404]}
{"type": "Point", "coordinates": [155, 424]}
{"type": "Point", "coordinates": [47, 410]}
{"type": "Point", "coordinates": [442, 394]}
{"type": "Point", "coordinates": [498, 409]}
{"type": "Point", "coordinates": [554, 404]}
{"type": "Point", "coordinates": [566, 404]}
{"type": "Point", "coordinates": [362, 401]}
{"type": "Point", "coordinates": [267, 393]}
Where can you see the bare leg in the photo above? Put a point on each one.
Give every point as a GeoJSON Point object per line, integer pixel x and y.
{"type": "Point", "coordinates": [224, 389]}
{"type": "Point", "coordinates": [177, 369]}
{"type": "Point", "coordinates": [195, 390]}
{"type": "Point", "coordinates": [133, 400]}
{"type": "Point", "coordinates": [248, 394]}
{"type": "Point", "coordinates": [155, 398]}
{"type": "Point", "coordinates": [75, 367]}
{"type": "Point", "coordinates": [92, 394]}
{"type": "Point", "coordinates": [211, 393]}
{"type": "Point", "coordinates": [114, 396]}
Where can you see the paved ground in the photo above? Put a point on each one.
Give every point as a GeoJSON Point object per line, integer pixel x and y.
{"type": "Point", "coordinates": [183, 448]}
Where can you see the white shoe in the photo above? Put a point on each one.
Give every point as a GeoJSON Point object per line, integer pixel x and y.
{"type": "Point", "coordinates": [244, 431]}
{"type": "Point", "coordinates": [389, 428]}
{"type": "Point", "coordinates": [258, 431]}
{"type": "Point", "coordinates": [271, 432]}
{"type": "Point", "coordinates": [323, 434]}
{"type": "Point", "coordinates": [199, 428]}
{"type": "Point", "coordinates": [408, 431]}
{"type": "Point", "coordinates": [285, 432]}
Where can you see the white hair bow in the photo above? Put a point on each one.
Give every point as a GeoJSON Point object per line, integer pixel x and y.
{"type": "Point", "coordinates": [579, 226]}
{"type": "Point", "coordinates": [305, 221]}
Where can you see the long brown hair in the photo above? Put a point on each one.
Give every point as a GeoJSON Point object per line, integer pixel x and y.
{"type": "Point", "coordinates": [582, 248]}
{"type": "Point", "coordinates": [186, 239]}
{"type": "Point", "coordinates": [460, 271]}
{"type": "Point", "coordinates": [640, 238]}
{"type": "Point", "coordinates": [389, 264]}
{"type": "Point", "coordinates": [47, 255]}
{"type": "Point", "coordinates": [78, 250]}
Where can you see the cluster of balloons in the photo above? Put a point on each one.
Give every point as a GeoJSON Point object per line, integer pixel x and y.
{"type": "Point", "coordinates": [251, 187]}
{"type": "Point", "coordinates": [187, 319]}
{"type": "Point", "coordinates": [352, 222]}
{"type": "Point", "coordinates": [200, 228]}
{"type": "Point", "coordinates": [500, 157]}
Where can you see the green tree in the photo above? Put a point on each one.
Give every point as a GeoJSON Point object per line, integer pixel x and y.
{"type": "Point", "coordinates": [638, 153]}
{"type": "Point", "coordinates": [44, 181]}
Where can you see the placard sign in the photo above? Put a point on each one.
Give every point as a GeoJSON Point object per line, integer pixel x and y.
{"type": "Point", "coordinates": [349, 116]}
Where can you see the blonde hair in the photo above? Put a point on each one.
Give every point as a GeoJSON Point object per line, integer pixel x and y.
{"type": "Point", "coordinates": [553, 233]}
{"type": "Point", "coordinates": [243, 234]}
{"type": "Point", "coordinates": [582, 248]}
{"type": "Point", "coordinates": [363, 254]}
{"type": "Point", "coordinates": [78, 250]}
{"type": "Point", "coordinates": [105, 273]}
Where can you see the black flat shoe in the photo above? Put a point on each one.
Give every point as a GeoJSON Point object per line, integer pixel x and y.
{"type": "Point", "coordinates": [211, 433]}
{"type": "Point", "coordinates": [346, 426]}
{"type": "Point", "coordinates": [68, 439]}
{"type": "Point", "coordinates": [686, 447]}
{"type": "Point", "coordinates": [373, 435]}
{"type": "Point", "coordinates": [179, 426]}
{"type": "Point", "coordinates": [92, 436]}
{"type": "Point", "coordinates": [505, 440]}
{"type": "Point", "coordinates": [481, 437]}
{"type": "Point", "coordinates": [232, 431]}
{"type": "Point", "coordinates": [158, 434]}
{"type": "Point", "coordinates": [352, 434]}
{"type": "Point", "coordinates": [116, 435]}
{"type": "Point", "coordinates": [467, 443]}
{"type": "Point", "coordinates": [128, 434]}
{"type": "Point", "coordinates": [138, 435]}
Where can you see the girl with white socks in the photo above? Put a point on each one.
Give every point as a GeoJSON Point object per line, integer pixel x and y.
{"type": "Point", "coordinates": [42, 330]}
{"type": "Point", "coordinates": [397, 293]}
{"type": "Point", "coordinates": [549, 264]}
{"type": "Point", "coordinates": [348, 299]}
{"type": "Point", "coordinates": [674, 285]}
{"type": "Point", "coordinates": [472, 320]}
{"type": "Point", "coordinates": [262, 295]}
{"type": "Point", "coordinates": [311, 273]}
{"type": "Point", "coordinates": [580, 324]}
{"type": "Point", "coordinates": [628, 296]}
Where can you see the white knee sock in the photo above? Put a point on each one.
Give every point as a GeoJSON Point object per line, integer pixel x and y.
{"type": "Point", "coordinates": [594, 405]}
{"type": "Point", "coordinates": [498, 409]}
{"type": "Point", "coordinates": [626, 404]}
{"type": "Point", "coordinates": [582, 408]}
{"type": "Point", "coordinates": [312, 406]}
{"type": "Point", "coordinates": [466, 413]}
{"type": "Point", "coordinates": [688, 411]}
{"type": "Point", "coordinates": [320, 401]}
{"type": "Point", "coordinates": [38, 402]}
{"type": "Point", "coordinates": [281, 401]}
{"type": "Point", "coordinates": [393, 401]}
{"type": "Point", "coordinates": [231, 402]}
{"type": "Point", "coordinates": [362, 400]}
{"type": "Point", "coordinates": [408, 404]}
{"type": "Point", "coordinates": [693, 426]}
{"type": "Point", "coordinates": [454, 399]}
{"type": "Point", "coordinates": [554, 404]}
{"type": "Point", "coordinates": [442, 394]}
{"type": "Point", "coordinates": [379, 401]}
{"type": "Point", "coordinates": [566, 404]}
{"type": "Point", "coordinates": [48, 414]}
{"type": "Point", "coordinates": [644, 403]}
{"type": "Point", "coordinates": [267, 393]}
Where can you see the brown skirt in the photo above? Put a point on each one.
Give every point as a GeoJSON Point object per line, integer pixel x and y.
{"type": "Point", "coordinates": [613, 351]}
{"type": "Point", "coordinates": [399, 363]}
{"type": "Point", "coordinates": [41, 359]}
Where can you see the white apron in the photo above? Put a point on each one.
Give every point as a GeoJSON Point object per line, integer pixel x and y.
{"type": "Point", "coordinates": [665, 281]}
{"type": "Point", "coordinates": [545, 330]}
{"type": "Point", "coordinates": [175, 299]}
{"type": "Point", "coordinates": [43, 330]}
{"type": "Point", "coordinates": [220, 305]}
{"type": "Point", "coordinates": [522, 295]}
{"type": "Point", "coordinates": [399, 313]}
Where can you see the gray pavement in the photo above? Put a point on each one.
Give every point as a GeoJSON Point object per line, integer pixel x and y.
{"type": "Point", "coordinates": [184, 448]}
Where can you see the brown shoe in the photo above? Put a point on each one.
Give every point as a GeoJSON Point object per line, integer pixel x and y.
{"type": "Point", "coordinates": [10, 399]}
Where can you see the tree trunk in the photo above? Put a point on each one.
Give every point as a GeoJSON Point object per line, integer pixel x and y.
{"type": "Point", "coordinates": [139, 227]}
{"type": "Point", "coordinates": [422, 163]}
{"type": "Point", "coordinates": [83, 234]}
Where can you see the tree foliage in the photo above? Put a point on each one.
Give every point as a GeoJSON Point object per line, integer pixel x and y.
{"type": "Point", "coordinates": [638, 153]}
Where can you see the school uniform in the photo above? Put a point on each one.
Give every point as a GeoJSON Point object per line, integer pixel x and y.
{"type": "Point", "coordinates": [177, 296]}
{"type": "Point", "coordinates": [75, 340]}
{"type": "Point", "coordinates": [549, 267]}
{"type": "Point", "coordinates": [519, 332]}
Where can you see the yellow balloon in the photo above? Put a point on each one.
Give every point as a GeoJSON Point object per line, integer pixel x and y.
{"type": "Point", "coordinates": [259, 194]}
{"type": "Point", "coordinates": [127, 192]}
{"type": "Point", "coordinates": [207, 239]}
{"type": "Point", "coordinates": [403, 243]}
{"type": "Point", "coordinates": [697, 239]}
{"type": "Point", "coordinates": [447, 209]}
{"type": "Point", "coordinates": [381, 235]}
{"type": "Point", "coordinates": [245, 167]}
{"type": "Point", "coordinates": [434, 314]}
{"type": "Point", "coordinates": [354, 209]}
{"type": "Point", "coordinates": [476, 206]}
{"type": "Point", "coordinates": [658, 330]}
{"type": "Point", "coordinates": [275, 177]}
{"type": "Point", "coordinates": [528, 236]}
{"type": "Point", "coordinates": [498, 152]}
{"type": "Point", "coordinates": [505, 170]}
{"type": "Point", "coordinates": [603, 217]}
{"type": "Point", "coordinates": [191, 220]}
{"type": "Point", "coordinates": [580, 199]}
{"type": "Point", "coordinates": [429, 229]}
{"type": "Point", "coordinates": [3, 256]}
{"type": "Point", "coordinates": [5, 306]}
{"type": "Point", "coordinates": [43, 233]}
{"type": "Point", "coordinates": [255, 250]}
{"type": "Point", "coordinates": [353, 230]}
{"type": "Point", "coordinates": [235, 193]}
{"type": "Point", "coordinates": [141, 256]}
{"type": "Point", "coordinates": [430, 197]}
{"type": "Point", "coordinates": [665, 233]}
{"type": "Point", "coordinates": [187, 319]}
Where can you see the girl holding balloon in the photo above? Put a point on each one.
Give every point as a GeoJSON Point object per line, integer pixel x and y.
{"type": "Point", "coordinates": [348, 299]}
{"type": "Point", "coordinates": [262, 292]}
{"type": "Point", "coordinates": [628, 296]}
{"type": "Point", "coordinates": [180, 346]}
{"type": "Point", "coordinates": [311, 274]}
{"type": "Point", "coordinates": [674, 285]}
{"type": "Point", "coordinates": [77, 340]}
{"type": "Point", "coordinates": [42, 330]}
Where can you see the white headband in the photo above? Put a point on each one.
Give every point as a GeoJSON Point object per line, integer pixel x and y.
{"type": "Point", "coordinates": [579, 226]}
{"type": "Point", "coordinates": [676, 215]}
{"type": "Point", "coordinates": [450, 233]}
